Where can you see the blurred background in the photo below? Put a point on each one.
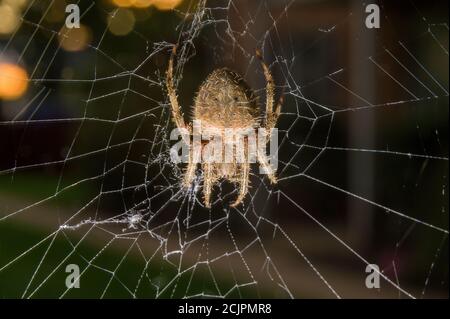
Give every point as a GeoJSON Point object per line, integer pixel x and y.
{"type": "Point", "coordinates": [85, 171]}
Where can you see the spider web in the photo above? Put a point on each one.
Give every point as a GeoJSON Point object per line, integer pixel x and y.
{"type": "Point", "coordinates": [363, 156]}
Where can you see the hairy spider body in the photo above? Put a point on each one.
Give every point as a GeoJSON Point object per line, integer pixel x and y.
{"type": "Point", "coordinates": [225, 101]}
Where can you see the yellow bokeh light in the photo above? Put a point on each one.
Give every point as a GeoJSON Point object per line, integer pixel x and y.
{"type": "Point", "coordinates": [13, 81]}
{"type": "Point", "coordinates": [121, 22]}
{"type": "Point", "coordinates": [166, 4]}
{"type": "Point", "coordinates": [9, 19]}
{"type": "Point", "coordinates": [75, 39]}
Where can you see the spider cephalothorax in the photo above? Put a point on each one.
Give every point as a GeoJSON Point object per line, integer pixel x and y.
{"type": "Point", "coordinates": [224, 101]}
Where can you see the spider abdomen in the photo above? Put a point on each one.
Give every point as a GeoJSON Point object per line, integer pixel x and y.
{"type": "Point", "coordinates": [225, 100]}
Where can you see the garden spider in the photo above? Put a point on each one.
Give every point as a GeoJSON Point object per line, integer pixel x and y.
{"type": "Point", "coordinates": [223, 101]}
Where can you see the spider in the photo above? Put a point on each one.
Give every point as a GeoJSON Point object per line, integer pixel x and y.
{"type": "Point", "coordinates": [224, 100]}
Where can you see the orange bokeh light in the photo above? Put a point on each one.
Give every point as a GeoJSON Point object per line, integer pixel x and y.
{"type": "Point", "coordinates": [123, 3]}
{"type": "Point", "coordinates": [159, 4]}
{"type": "Point", "coordinates": [142, 3]}
{"type": "Point", "coordinates": [13, 81]}
{"type": "Point", "coordinates": [166, 4]}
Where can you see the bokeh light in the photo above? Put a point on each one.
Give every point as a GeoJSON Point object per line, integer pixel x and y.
{"type": "Point", "coordinates": [142, 3]}
{"type": "Point", "coordinates": [13, 81]}
{"type": "Point", "coordinates": [159, 4]}
{"type": "Point", "coordinates": [166, 4]}
{"type": "Point", "coordinates": [18, 4]}
{"type": "Point", "coordinates": [9, 19]}
{"type": "Point", "coordinates": [121, 22]}
{"type": "Point", "coordinates": [75, 39]}
{"type": "Point", "coordinates": [123, 3]}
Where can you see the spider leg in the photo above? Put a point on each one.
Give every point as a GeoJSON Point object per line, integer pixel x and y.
{"type": "Point", "coordinates": [271, 115]}
{"type": "Point", "coordinates": [176, 111]}
{"type": "Point", "coordinates": [243, 183]}
{"type": "Point", "coordinates": [207, 183]}
{"type": "Point", "coordinates": [189, 175]}
{"type": "Point", "coordinates": [264, 162]}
